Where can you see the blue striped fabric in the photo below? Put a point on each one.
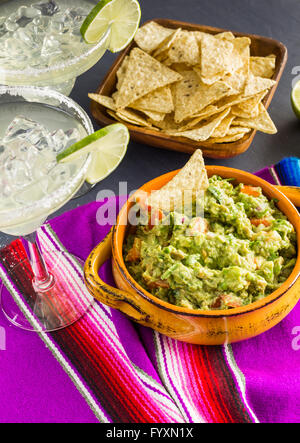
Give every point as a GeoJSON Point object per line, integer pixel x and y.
{"type": "Point", "coordinates": [288, 171]}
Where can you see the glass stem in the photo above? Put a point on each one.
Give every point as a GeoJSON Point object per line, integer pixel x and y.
{"type": "Point", "coordinates": [42, 279]}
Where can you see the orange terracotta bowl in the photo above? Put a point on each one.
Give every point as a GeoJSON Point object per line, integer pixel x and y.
{"type": "Point", "coordinates": [198, 327]}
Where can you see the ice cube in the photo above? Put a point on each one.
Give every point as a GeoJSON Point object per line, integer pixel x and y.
{"type": "Point", "coordinates": [16, 50]}
{"type": "Point", "coordinates": [17, 172]}
{"type": "Point", "coordinates": [25, 35]}
{"type": "Point", "coordinates": [60, 140]}
{"type": "Point", "coordinates": [40, 139]}
{"type": "Point", "coordinates": [26, 130]}
{"type": "Point", "coordinates": [42, 167]}
{"type": "Point", "coordinates": [41, 25]}
{"type": "Point", "coordinates": [57, 26]}
{"type": "Point", "coordinates": [28, 153]}
{"type": "Point", "coordinates": [73, 19]}
{"type": "Point", "coordinates": [78, 16]}
{"type": "Point", "coordinates": [3, 29]}
{"type": "Point", "coordinates": [47, 8]}
{"type": "Point", "coordinates": [73, 136]}
{"type": "Point", "coordinates": [25, 15]}
{"type": "Point", "coordinates": [29, 12]}
{"type": "Point", "coordinates": [10, 26]}
{"type": "Point", "coordinates": [11, 150]}
{"type": "Point", "coordinates": [51, 46]}
{"type": "Point", "coordinates": [20, 127]}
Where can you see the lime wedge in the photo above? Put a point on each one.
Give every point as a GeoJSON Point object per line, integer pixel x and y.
{"type": "Point", "coordinates": [108, 147]}
{"type": "Point", "coordinates": [295, 98]}
{"type": "Point", "coordinates": [123, 16]}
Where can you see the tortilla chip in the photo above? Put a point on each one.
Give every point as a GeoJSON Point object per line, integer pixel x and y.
{"type": "Point", "coordinates": [241, 56]}
{"type": "Point", "coordinates": [192, 95]}
{"type": "Point", "coordinates": [180, 67]}
{"type": "Point", "coordinates": [121, 72]}
{"type": "Point", "coordinates": [230, 101]}
{"type": "Point", "coordinates": [192, 177]}
{"type": "Point", "coordinates": [240, 65]}
{"type": "Point", "coordinates": [262, 122]}
{"type": "Point", "coordinates": [195, 119]}
{"type": "Point", "coordinates": [151, 35]}
{"type": "Point", "coordinates": [167, 123]}
{"type": "Point", "coordinates": [224, 126]}
{"type": "Point", "coordinates": [216, 58]}
{"type": "Point", "coordinates": [228, 138]}
{"type": "Point", "coordinates": [108, 102]}
{"type": "Point", "coordinates": [184, 49]}
{"type": "Point", "coordinates": [225, 35]}
{"type": "Point", "coordinates": [132, 117]}
{"type": "Point", "coordinates": [159, 100]}
{"type": "Point", "coordinates": [236, 81]}
{"type": "Point", "coordinates": [255, 85]}
{"type": "Point", "coordinates": [207, 112]}
{"type": "Point", "coordinates": [218, 107]}
{"type": "Point", "coordinates": [263, 66]}
{"type": "Point", "coordinates": [238, 130]}
{"type": "Point", "coordinates": [154, 116]}
{"type": "Point", "coordinates": [250, 107]}
{"type": "Point", "coordinates": [166, 44]}
{"type": "Point", "coordinates": [198, 35]}
{"type": "Point", "coordinates": [238, 112]}
{"type": "Point", "coordinates": [143, 75]}
{"type": "Point", "coordinates": [114, 115]}
{"type": "Point", "coordinates": [203, 132]}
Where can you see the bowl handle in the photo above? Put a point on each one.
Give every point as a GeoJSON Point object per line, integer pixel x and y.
{"type": "Point", "coordinates": [115, 298]}
{"type": "Point", "coordinates": [292, 193]}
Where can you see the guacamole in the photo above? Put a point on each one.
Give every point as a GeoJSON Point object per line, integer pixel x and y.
{"type": "Point", "coordinates": [242, 250]}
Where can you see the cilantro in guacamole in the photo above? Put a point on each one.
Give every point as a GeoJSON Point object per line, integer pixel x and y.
{"type": "Point", "coordinates": [242, 250]}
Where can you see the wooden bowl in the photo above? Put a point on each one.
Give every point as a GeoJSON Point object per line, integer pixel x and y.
{"type": "Point", "coordinates": [198, 327]}
{"type": "Point", "coordinates": [261, 46]}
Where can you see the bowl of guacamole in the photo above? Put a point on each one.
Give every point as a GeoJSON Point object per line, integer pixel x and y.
{"type": "Point", "coordinates": [222, 274]}
{"type": "Point", "coordinates": [240, 250]}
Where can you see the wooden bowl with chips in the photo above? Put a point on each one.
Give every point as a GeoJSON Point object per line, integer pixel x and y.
{"type": "Point", "coordinates": [260, 47]}
{"type": "Point", "coordinates": [213, 327]}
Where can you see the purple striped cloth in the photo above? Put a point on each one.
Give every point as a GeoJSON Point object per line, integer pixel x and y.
{"type": "Point", "coordinates": [137, 375]}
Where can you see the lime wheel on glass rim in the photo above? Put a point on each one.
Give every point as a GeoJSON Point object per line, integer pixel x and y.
{"type": "Point", "coordinates": [107, 146]}
{"type": "Point", "coordinates": [122, 16]}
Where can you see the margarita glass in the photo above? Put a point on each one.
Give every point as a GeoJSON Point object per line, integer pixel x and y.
{"type": "Point", "coordinates": [42, 45]}
{"type": "Point", "coordinates": [23, 210]}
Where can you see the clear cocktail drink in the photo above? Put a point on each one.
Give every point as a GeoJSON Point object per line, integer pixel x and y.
{"type": "Point", "coordinates": [41, 43]}
{"type": "Point", "coordinates": [35, 125]}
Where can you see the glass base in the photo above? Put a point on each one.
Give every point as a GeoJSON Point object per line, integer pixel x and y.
{"type": "Point", "coordinates": [64, 88]}
{"type": "Point", "coordinates": [64, 302]}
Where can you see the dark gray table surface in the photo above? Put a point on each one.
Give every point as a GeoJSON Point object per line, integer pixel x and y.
{"type": "Point", "coordinates": [279, 19]}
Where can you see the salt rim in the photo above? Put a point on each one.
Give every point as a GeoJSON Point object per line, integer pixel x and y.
{"type": "Point", "coordinates": [56, 199]}
{"type": "Point", "coordinates": [60, 66]}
